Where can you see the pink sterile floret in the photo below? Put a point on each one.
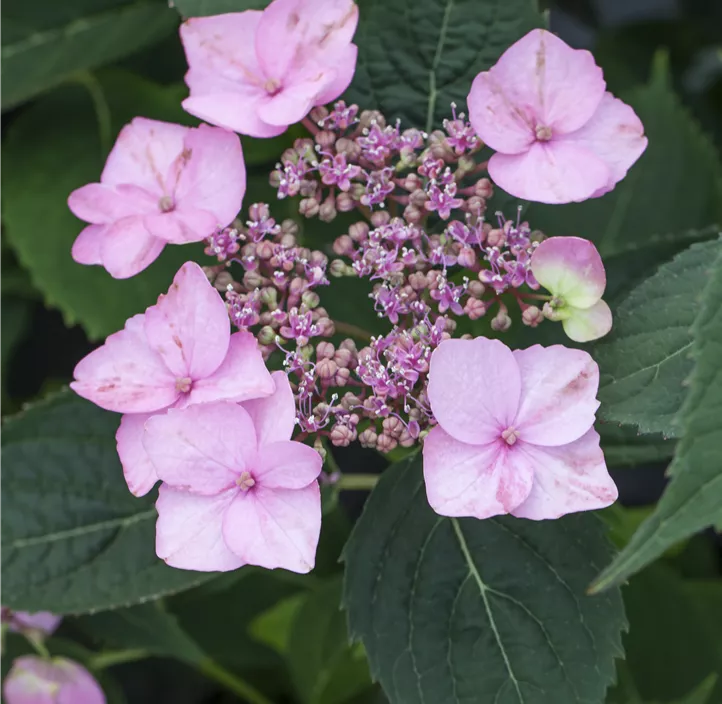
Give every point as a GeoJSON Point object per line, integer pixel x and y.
{"type": "Point", "coordinates": [236, 490]}
{"type": "Point", "coordinates": [179, 352]}
{"type": "Point", "coordinates": [571, 268]}
{"type": "Point", "coordinates": [162, 184]}
{"type": "Point", "coordinates": [259, 72]}
{"type": "Point", "coordinates": [558, 135]}
{"type": "Point", "coordinates": [33, 680]}
{"type": "Point", "coordinates": [43, 622]}
{"type": "Point", "coordinates": [514, 432]}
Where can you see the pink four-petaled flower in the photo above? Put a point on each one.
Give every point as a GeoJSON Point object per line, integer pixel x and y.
{"type": "Point", "coordinates": [162, 184]}
{"type": "Point", "coordinates": [514, 432]}
{"type": "Point", "coordinates": [259, 72]}
{"type": "Point", "coordinates": [558, 135]}
{"type": "Point", "coordinates": [236, 490]}
{"type": "Point", "coordinates": [33, 680]}
{"type": "Point", "coordinates": [179, 352]}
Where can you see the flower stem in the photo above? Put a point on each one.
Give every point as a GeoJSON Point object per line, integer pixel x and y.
{"type": "Point", "coordinates": [116, 657]}
{"type": "Point", "coordinates": [102, 109]}
{"type": "Point", "coordinates": [357, 482]}
{"type": "Point", "coordinates": [244, 690]}
{"type": "Point", "coordinates": [36, 640]}
{"type": "Point", "coordinates": [308, 124]}
{"type": "Point", "coordinates": [352, 330]}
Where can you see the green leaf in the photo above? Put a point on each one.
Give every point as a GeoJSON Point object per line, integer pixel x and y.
{"type": "Point", "coordinates": [669, 648]}
{"type": "Point", "coordinates": [44, 161]}
{"type": "Point", "coordinates": [203, 8]}
{"type": "Point", "coordinates": [623, 446]}
{"type": "Point", "coordinates": [324, 667]}
{"type": "Point", "coordinates": [680, 166]}
{"type": "Point", "coordinates": [646, 359]}
{"type": "Point", "coordinates": [468, 610]}
{"type": "Point", "coordinates": [273, 627]}
{"type": "Point", "coordinates": [38, 54]}
{"type": "Point", "coordinates": [693, 498]}
{"type": "Point", "coordinates": [74, 540]}
{"type": "Point", "coordinates": [418, 58]}
{"type": "Point", "coordinates": [148, 627]}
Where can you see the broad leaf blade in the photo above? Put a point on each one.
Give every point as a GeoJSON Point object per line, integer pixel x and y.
{"type": "Point", "coordinates": [74, 540]}
{"type": "Point", "coordinates": [464, 610]}
{"type": "Point", "coordinates": [419, 57]}
{"type": "Point", "coordinates": [203, 8]}
{"type": "Point", "coordinates": [37, 56]}
{"type": "Point", "coordinates": [693, 498]}
{"type": "Point", "coordinates": [646, 359]}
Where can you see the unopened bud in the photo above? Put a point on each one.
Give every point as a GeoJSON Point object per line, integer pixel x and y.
{"type": "Point", "coordinates": [418, 198]}
{"type": "Point", "coordinates": [532, 316]}
{"type": "Point", "coordinates": [341, 435]}
{"type": "Point", "coordinates": [359, 231]}
{"type": "Point", "coordinates": [342, 377]}
{"type": "Point", "coordinates": [476, 289]}
{"type": "Point", "coordinates": [222, 281]}
{"type": "Point", "coordinates": [318, 446]}
{"type": "Point", "coordinates": [338, 268]}
{"type": "Point", "coordinates": [326, 327]}
{"type": "Point", "coordinates": [325, 139]}
{"type": "Point", "coordinates": [496, 237]}
{"type": "Point", "coordinates": [310, 299]}
{"type": "Point", "coordinates": [343, 246]}
{"type": "Point", "coordinates": [252, 280]}
{"type": "Point", "coordinates": [369, 117]}
{"type": "Point", "coordinates": [466, 257]}
{"type": "Point", "coordinates": [326, 369]}
{"type": "Point", "coordinates": [380, 218]}
{"type": "Point", "coordinates": [345, 203]}
{"type": "Point", "coordinates": [327, 211]}
{"type": "Point", "coordinates": [308, 207]}
{"type": "Point", "coordinates": [417, 281]}
{"type": "Point", "coordinates": [385, 443]}
{"type": "Point", "coordinates": [325, 350]}
{"type": "Point", "coordinates": [349, 400]}
{"type": "Point", "coordinates": [413, 215]}
{"type": "Point", "coordinates": [264, 250]}
{"type": "Point", "coordinates": [296, 286]}
{"type": "Point", "coordinates": [289, 227]}
{"type": "Point", "coordinates": [501, 322]}
{"type": "Point", "coordinates": [476, 206]}
{"type": "Point", "coordinates": [475, 309]}
{"type": "Point", "coordinates": [266, 335]}
{"type": "Point", "coordinates": [318, 114]}
{"type": "Point", "coordinates": [349, 148]}
{"type": "Point", "coordinates": [483, 188]}
{"type": "Point", "coordinates": [269, 297]}
{"type": "Point", "coordinates": [392, 426]}
{"type": "Point", "coordinates": [368, 438]}
{"type": "Point", "coordinates": [412, 182]}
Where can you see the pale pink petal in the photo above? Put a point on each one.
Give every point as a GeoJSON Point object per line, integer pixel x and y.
{"type": "Point", "coordinates": [571, 268]}
{"type": "Point", "coordinates": [189, 531]}
{"type": "Point", "coordinates": [538, 82]}
{"type": "Point", "coordinates": [127, 247]}
{"type": "Point", "coordinates": [100, 204]}
{"type": "Point", "coordinates": [189, 326]}
{"type": "Point", "coordinates": [125, 375]}
{"type": "Point", "coordinates": [558, 394]}
{"type": "Point", "coordinates": [473, 480]}
{"type": "Point", "coordinates": [275, 527]}
{"type": "Point", "coordinates": [585, 325]}
{"type": "Point", "coordinates": [203, 448]}
{"type": "Point", "coordinates": [214, 179]}
{"type": "Point", "coordinates": [550, 172]}
{"type": "Point", "coordinates": [567, 479]}
{"type": "Point", "coordinates": [234, 111]}
{"type": "Point", "coordinates": [181, 226]}
{"type": "Point", "coordinates": [87, 246]}
{"type": "Point", "coordinates": [43, 621]}
{"type": "Point", "coordinates": [292, 32]}
{"type": "Point", "coordinates": [286, 465]}
{"type": "Point", "coordinates": [344, 64]}
{"type": "Point", "coordinates": [474, 388]}
{"type": "Point", "coordinates": [34, 680]}
{"type": "Point", "coordinates": [274, 417]}
{"type": "Point", "coordinates": [138, 470]}
{"type": "Point", "coordinates": [295, 101]}
{"type": "Point", "coordinates": [616, 135]}
{"type": "Point", "coordinates": [222, 46]}
{"type": "Point", "coordinates": [241, 376]}
{"type": "Point", "coordinates": [79, 685]}
{"type": "Point", "coordinates": [143, 153]}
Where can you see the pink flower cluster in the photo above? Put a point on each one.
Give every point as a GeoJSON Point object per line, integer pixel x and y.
{"type": "Point", "coordinates": [502, 431]}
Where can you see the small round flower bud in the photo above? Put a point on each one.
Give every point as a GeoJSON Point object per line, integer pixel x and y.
{"type": "Point", "coordinates": [349, 400]}
{"type": "Point", "coordinates": [393, 426]}
{"type": "Point", "coordinates": [327, 211]}
{"type": "Point", "coordinates": [258, 211]}
{"type": "Point", "coordinates": [368, 438]}
{"type": "Point", "coordinates": [318, 446]}
{"type": "Point", "coordinates": [266, 335]}
{"type": "Point", "coordinates": [412, 182]}
{"type": "Point", "coordinates": [310, 299]}
{"type": "Point", "coordinates": [341, 435]}
{"type": "Point", "coordinates": [345, 203]}
{"type": "Point", "coordinates": [289, 227]}
{"type": "Point", "coordinates": [325, 350]}
{"type": "Point", "coordinates": [496, 238]}
{"type": "Point", "coordinates": [417, 281]}
{"type": "Point", "coordinates": [475, 308]}
{"type": "Point", "coordinates": [296, 286]}
{"type": "Point", "coordinates": [380, 218]}
{"type": "Point", "coordinates": [344, 358]}
{"type": "Point", "coordinates": [359, 231]}
{"type": "Point", "coordinates": [342, 377]}
{"type": "Point", "coordinates": [418, 198]}
{"type": "Point", "coordinates": [343, 246]}
{"type": "Point", "coordinates": [385, 443]}
{"type": "Point", "coordinates": [369, 117]}
{"type": "Point", "coordinates": [326, 369]}
{"type": "Point", "coordinates": [275, 178]}
{"type": "Point", "coordinates": [536, 236]}
{"type": "Point", "coordinates": [309, 207]}
{"type": "Point", "coordinates": [318, 114]}
{"type": "Point", "coordinates": [252, 280]}
{"type": "Point", "coordinates": [326, 327]}
{"type": "Point", "coordinates": [223, 280]}
{"type": "Point", "coordinates": [350, 345]}
{"type": "Point", "coordinates": [264, 250]}
{"type": "Point", "coordinates": [501, 322]}
{"type": "Point", "coordinates": [466, 257]}
{"type": "Point", "coordinates": [405, 439]}
{"type": "Point", "coordinates": [476, 289]}
{"type": "Point", "coordinates": [325, 139]}
{"type": "Point", "coordinates": [269, 297]}
{"type": "Point", "coordinates": [303, 146]}
{"type": "Point", "coordinates": [476, 206]}
{"type": "Point", "coordinates": [532, 316]}
{"type": "Point", "coordinates": [483, 188]}
{"type": "Point", "coordinates": [413, 215]}
{"type": "Point", "coordinates": [348, 148]}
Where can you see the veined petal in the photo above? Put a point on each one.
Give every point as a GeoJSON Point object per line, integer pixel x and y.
{"type": "Point", "coordinates": [587, 324]}
{"type": "Point", "coordinates": [127, 248]}
{"type": "Point", "coordinates": [286, 465]}
{"type": "Point", "coordinates": [87, 246]}
{"type": "Point", "coordinates": [139, 472]}
{"type": "Point", "coordinates": [274, 416]}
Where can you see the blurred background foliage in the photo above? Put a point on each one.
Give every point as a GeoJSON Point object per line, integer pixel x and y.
{"type": "Point", "coordinates": [75, 71]}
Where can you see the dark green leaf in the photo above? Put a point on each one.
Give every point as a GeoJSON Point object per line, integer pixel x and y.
{"type": "Point", "coordinates": [148, 627]}
{"type": "Point", "coordinates": [676, 185]}
{"type": "Point", "coordinates": [203, 8]}
{"type": "Point", "coordinates": [454, 610]}
{"type": "Point", "coordinates": [693, 498]}
{"type": "Point", "coordinates": [325, 669]}
{"type": "Point", "coordinates": [44, 161]}
{"type": "Point", "coordinates": [38, 53]}
{"type": "Point", "coordinates": [624, 446]}
{"type": "Point", "coordinates": [418, 58]}
{"type": "Point", "coordinates": [646, 359]}
{"type": "Point", "coordinates": [74, 540]}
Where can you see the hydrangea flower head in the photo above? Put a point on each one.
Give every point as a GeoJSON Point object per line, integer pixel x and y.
{"type": "Point", "coordinates": [33, 680]}
{"type": "Point", "coordinates": [259, 72]}
{"type": "Point", "coordinates": [236, 490]}
{"type": "Point", "coordinates": [179, 352]}
{"type": "Point", "coordinates": [558, 135]}
{"type": "Point", "coordinates": [572, 270]}
{"type": "Point", "coordinates": [162, 184]}
{"type": "Point", "coordinates": [514, 432]}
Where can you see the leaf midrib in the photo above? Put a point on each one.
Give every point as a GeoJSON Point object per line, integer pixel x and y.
{"type": "Point", "coordinates": [433, 92]}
